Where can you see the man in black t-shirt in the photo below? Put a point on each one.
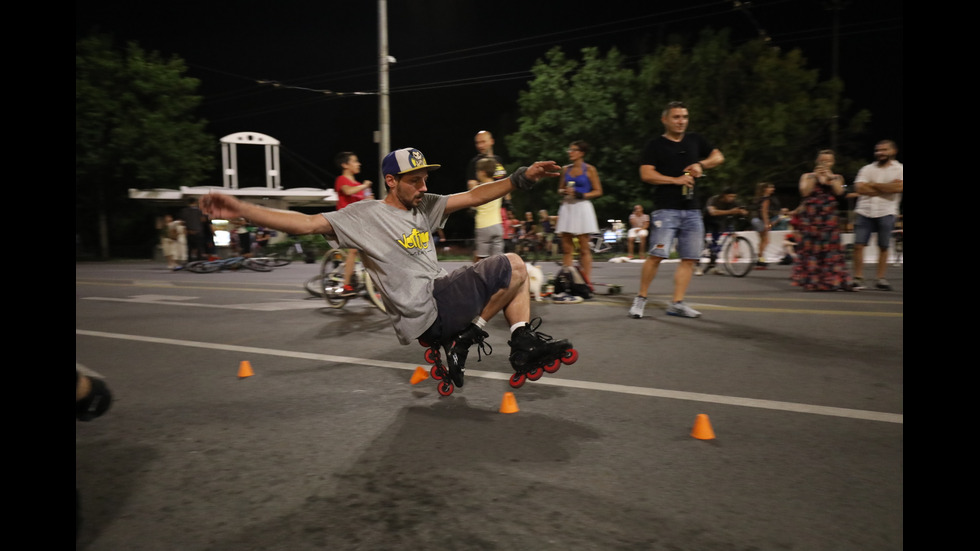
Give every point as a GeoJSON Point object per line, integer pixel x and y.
{"type": "Point", "coordinates": [671, 163]}
{"type": "Point", "coordinates": [484, 149]}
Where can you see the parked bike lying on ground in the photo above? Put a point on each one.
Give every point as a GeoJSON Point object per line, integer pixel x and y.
{"type": "Point", "coordinates": [233, 263]}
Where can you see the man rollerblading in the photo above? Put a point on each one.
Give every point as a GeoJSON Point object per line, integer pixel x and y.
{"type": "Point", "coordinates": [533, 353]}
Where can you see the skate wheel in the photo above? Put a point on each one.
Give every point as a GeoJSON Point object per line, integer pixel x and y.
{"type": "Point", "coordinates": [445, 388]}
{"type": "Point", "coordinates": [435, 372]}
{"type": "Point", "coordinates": [553, 366]}
{"type": "Point", "coordinates": [431, 356]}
{"type": "Point", "coordinates": [535, 374]}
{"type": "Point", "coordinates": [517, 380]}
{"type": "Point", "coordinates": [570, 357]}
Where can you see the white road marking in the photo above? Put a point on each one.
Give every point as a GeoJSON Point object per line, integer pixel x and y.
{"type": "Point", "coordinates": [170, 300]}
{"type": "Point", "coordinates": [603, 387]}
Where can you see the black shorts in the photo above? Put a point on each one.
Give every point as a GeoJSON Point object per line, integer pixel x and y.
{"type": "Point", "coordinates": [462, 295]}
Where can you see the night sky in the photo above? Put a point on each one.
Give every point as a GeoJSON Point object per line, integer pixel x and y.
{"type": "Point", "coordinates": [460, 64]}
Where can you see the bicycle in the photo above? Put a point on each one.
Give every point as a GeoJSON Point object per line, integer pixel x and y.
{"type": "Point", "coordinates": [608, 239]}
{"type": "Point", "coordinates": [733, 251]}
{"type": "Point", "coordinates": [232, 263]}
{"type": "Point", "coordinates": [329, 283]}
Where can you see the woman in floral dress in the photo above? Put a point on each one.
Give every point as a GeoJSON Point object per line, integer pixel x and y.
{"type": "Point", "coordinates": [821, 265]}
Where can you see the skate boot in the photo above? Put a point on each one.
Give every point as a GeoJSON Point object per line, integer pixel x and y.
{"type": "Point", "coordinates": [459, 347]}
{"type": "Point", "coordinates": [533, 353]}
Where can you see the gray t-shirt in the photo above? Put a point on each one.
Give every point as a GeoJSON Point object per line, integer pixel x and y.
{"type": "Point", "coordinates": [397, 250]}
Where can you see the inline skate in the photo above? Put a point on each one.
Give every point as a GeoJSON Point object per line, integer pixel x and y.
{"type": "Point", "coordinates": [532, 354]}
{"type": "Point", "coordinates": [450, 373]}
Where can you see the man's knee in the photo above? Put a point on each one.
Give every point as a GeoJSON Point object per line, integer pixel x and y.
{"type": "Point", "coordinates": [518, 270]}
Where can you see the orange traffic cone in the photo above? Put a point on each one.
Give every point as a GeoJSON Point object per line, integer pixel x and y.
{"type": "Point", "coordinates": [420, 375]}
{"type": "Point", "coordinates": [244, 370]}
{"type": "Point", "coordinates": [702, 428]}
{"type": "Point", "coordinates": [509, 403]}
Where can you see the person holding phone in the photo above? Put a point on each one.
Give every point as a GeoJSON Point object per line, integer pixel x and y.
{"type": "Point", "coordinates": [822, 265]}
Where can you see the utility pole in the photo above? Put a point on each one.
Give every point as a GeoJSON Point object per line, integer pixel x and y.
{"type": "Point", "coordinates": [835, 6]}
{"type": "Point", "coordinates": [384, 117]}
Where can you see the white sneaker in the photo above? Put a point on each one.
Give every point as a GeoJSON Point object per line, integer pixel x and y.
{"type": "Point", "coordinates": [636, 311]}
{"type": "Point", "coordinates": [565, 298]}
{"type": "Point", "coordinates": [682, 310]}
{"type": "Point", "coordinates": [698, 271]}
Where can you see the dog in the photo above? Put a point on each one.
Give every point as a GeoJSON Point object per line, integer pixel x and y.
{"type": "Point", "coordinates": [536, 279]}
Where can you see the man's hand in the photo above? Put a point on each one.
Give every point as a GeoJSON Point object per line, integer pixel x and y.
{"type": "Point", "coordinates": [526, 176]}
{"type": "Point", "coordinates": [217, 205]}
{"type": "Point", "coordinates": [543, 169]}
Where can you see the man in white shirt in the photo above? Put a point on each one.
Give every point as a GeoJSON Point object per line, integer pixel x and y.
{"type": "Point", "coordinates": [879, 186]}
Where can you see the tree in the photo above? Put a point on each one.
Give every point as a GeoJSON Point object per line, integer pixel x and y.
{"type": "Point", "coordinates": [766, 111]}
{"type": "Point", "coordinates": [134, 128]}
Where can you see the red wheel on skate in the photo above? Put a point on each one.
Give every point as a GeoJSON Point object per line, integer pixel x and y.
{"type": "Point", "coordinates": [517, 380]}
{"type": "Point", "coordinates": [431, 356]}
{"type": "Point", "coordinates": [553, 366]}
{"type": "Point", "coordinates": [445, 388]}
{"type": "Point", "coordinates": [435, 372]}
{"type": "Point", "coordinates": [570, 357]}
{"type": "Point", "coordinates": [535, 374]}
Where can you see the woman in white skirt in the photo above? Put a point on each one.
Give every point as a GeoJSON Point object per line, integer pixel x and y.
{"type": "Point", "coordinates": [578, 184]}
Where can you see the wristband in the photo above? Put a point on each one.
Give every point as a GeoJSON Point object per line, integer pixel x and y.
{"type": "Point", "coordinates": [521, 181]}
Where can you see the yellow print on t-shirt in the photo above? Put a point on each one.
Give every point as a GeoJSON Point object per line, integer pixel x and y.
{"type": "Point", "coordinates": [415, 240]}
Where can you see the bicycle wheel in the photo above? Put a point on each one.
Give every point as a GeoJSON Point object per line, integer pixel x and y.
{"type": "Point", "coordinates": [738, 256]}
{"type": "Point", "coordinates": [273, 261]}
{"type": "Point", "coordinates": [332, 261]}
{"type": "Point", "coordinates": [202, 267]}
{"type": "Point", "coordinates": [255, 265]}
{"type": "Point", "coordinates": [315, 286]}
{"type": "Point", "coordinates": [333, 285]}
{"type": "Point", "coordinates": [373, 295]}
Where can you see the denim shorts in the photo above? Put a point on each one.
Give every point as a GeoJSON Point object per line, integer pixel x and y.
{"type": "Point", "coordinates": [462, 295]}
{"type": "Point", "coordinates": [864, 227]}
{"type": "Point", "coordinates": [686, 226]}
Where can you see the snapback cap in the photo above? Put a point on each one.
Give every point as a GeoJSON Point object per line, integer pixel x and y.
{"type": "Point", "coordinates": [405, 160]}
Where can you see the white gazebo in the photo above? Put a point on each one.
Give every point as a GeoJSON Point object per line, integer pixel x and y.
{"type": "Point", "coordinates": [272, 194]}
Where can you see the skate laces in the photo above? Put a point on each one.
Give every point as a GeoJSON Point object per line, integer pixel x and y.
{"type": "Point", "coordinates": [483, 348]}
{"type": "Point", "coordinates": [532, 328]}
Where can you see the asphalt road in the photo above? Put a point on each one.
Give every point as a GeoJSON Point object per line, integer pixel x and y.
{"type": "Point", "coordinates": [329, 446]}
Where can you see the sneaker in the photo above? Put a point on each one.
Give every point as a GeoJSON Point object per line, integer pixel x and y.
{"type": "Point", "coordinates": [639, 303]}
{"type": "Point", "coordinates": [858, 284]}
{"type": "Point", "coordinates": [565, 298]}
{"type": "Point", "coordinates": [698, 271]}
{"type": "Point", "coordinates": [761, 265]}
{"type": "Point", "coordinates": [682, 310]}
{"type": "Point", "coordinates": [348, 291]}
{"type": "Point", "coordinates": [457, 351]}
{"type": "Point", "coordinates": [883, 285]}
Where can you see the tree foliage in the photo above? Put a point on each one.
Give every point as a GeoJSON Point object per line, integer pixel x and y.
{"type": "Point", "coordinates": [767, 112]}
{"type": "Point", "coordinates": [135, 127]}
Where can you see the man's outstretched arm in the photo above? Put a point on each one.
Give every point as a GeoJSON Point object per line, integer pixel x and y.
{"type": "Point", "coordinates": [217, 205]}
